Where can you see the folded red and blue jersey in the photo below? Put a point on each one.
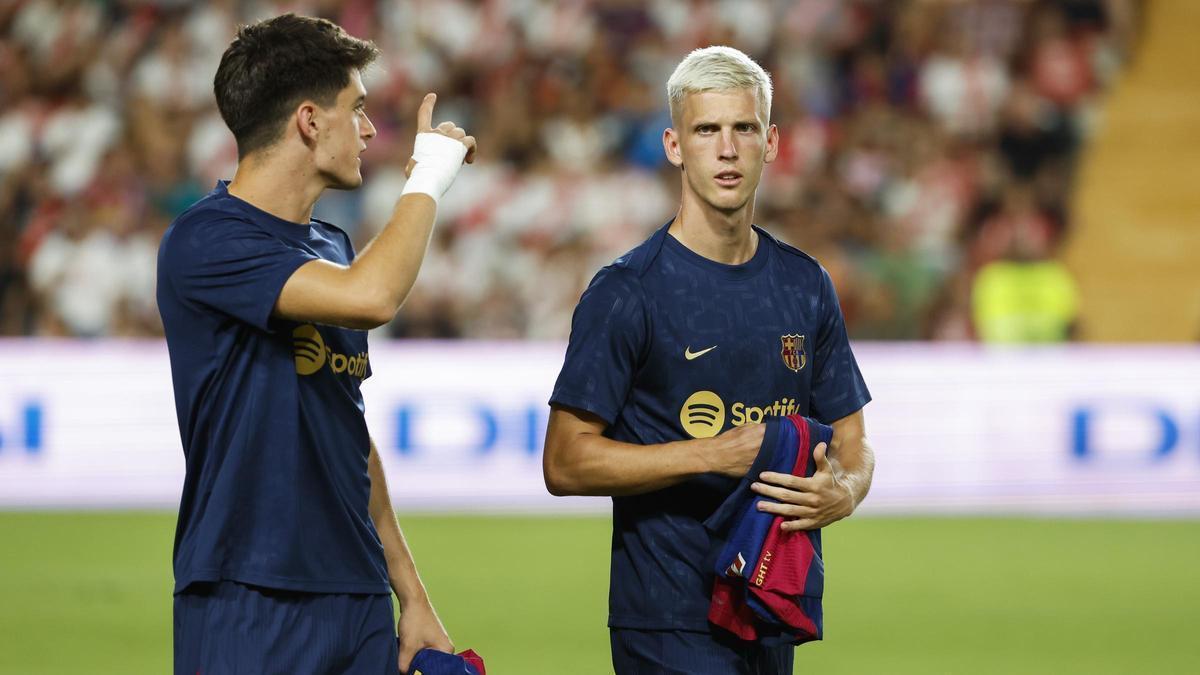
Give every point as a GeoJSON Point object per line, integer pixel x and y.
{"type": "Point", "coordinates": [433, 662]}
{"type": "Point", "coordinates": [769, 583]}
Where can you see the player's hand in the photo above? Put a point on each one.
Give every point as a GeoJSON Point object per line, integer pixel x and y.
{"type": "Point", "coordinates": [736, 449]}
{"type": "Point", "coordinates": [420, 628]}
{"type": "Point", "coordinates": [810, 503]}
{"type": "Point", "coordinates": [425, 125]}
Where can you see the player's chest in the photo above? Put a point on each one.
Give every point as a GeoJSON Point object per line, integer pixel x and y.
{"type": "Point", "coordinates": [746, 339]}
{"type": "Point", "coordinates": [326, 355]}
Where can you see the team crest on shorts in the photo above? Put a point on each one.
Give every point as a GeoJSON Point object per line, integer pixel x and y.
{"type": "Point", "coordinates": [792, 352]}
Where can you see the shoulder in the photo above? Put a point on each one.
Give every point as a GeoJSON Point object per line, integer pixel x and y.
{"type": "Point", "coordinates": [640, 259]}
{"type": "Point", "coordinates": [616, 291]}
{"type": "Point", "coordinates": [797, 262]}
{"type": "Point", "coordinates": [217, 204]}
{"type": "Point", "coordinates": [791, 255]}
{"type": "Point", "coordinates": [334, 233]}
{"type": "Point", "coordinates": [616, 281]}
{"type": "Point", "coordinates": [209, 218]}
{"type": "Point", "coordinates": [210, 229]}
{"type": "Point", "coordinates": [808, 269]}
{"type": "Point", "coordinates": [624, 275]}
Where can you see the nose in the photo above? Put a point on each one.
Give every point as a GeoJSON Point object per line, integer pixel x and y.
{"type": "Point", "coordinates": [368, 130]}
{"type": "Point", "coordinates": [728, 147]}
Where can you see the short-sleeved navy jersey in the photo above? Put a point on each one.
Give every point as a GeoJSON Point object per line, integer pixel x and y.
{"type": "Point", "coordinates": [270, 411]}
{"type": "Point", "coordinates": [668, 345]}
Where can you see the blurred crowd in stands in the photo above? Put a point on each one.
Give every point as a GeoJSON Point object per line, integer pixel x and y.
{"type": "Point", "coordinates": [928, 150]}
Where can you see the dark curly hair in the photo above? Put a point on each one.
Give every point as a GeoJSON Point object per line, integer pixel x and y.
{"type": "Point", "coordinates": [274, 65]}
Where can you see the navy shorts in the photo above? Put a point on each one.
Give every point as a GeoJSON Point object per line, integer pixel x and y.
{"type": "Point", "coordinates": [228, 628]}
{"type": "Point", "coordinates": [665, 652]}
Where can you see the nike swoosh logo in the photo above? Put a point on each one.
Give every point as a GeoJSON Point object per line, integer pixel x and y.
{"type": "Point", "coordinates": [689, 354]}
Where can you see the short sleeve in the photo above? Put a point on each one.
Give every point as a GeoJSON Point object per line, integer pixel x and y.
{"type": "Point", "coordinates": [608, 334]}
{"type": "Point", "coordinates": [231, 266]}
{"type": "Point", "coordinates": [838, 388]}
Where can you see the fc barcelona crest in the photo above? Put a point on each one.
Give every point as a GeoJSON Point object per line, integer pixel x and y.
{"type": "Point", "coordinates": [793, 352]}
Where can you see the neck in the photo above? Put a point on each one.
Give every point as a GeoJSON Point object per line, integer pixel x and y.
{"type": "Point", "coordinates": [725, 237]}
{"type": "Point", "coordinates": [282, 188]}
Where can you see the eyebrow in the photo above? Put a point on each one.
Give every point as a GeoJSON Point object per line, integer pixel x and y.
{"type": "Point", "coordinates": [705, 123]}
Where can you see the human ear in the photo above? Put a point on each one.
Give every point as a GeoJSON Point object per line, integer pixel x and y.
{"type": "Point", "coordinates": [308, 121]}
{"type": "Point", "coordinates": [772, 144]}
{"type": "Point", "coordinates": [671, 147]}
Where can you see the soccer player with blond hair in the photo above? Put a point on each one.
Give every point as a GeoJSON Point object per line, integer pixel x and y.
{"type": "Point", "coordinates": [678, 351]}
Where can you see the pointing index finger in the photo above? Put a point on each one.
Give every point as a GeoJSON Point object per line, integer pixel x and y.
{"type": "Point", "coordinates": [425, 113]}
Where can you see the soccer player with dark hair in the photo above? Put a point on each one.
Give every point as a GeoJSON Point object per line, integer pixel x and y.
{"type": "Point", "coordinates": [678, 350]}
{"type": "Point", "coordinates": [287, 549]}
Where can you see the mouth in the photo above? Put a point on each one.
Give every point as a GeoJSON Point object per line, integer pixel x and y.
{"type": "Point", "coordinates": [728, 179]}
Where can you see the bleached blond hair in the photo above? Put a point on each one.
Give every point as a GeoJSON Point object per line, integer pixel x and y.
{"type": "Point", "coordinates": [718, 68]}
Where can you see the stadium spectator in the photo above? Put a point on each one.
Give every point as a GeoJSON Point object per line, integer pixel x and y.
{"type": "Point", "coordinates": [1024, 301]}
{"type": "Point", "coordinates": [901, 122]}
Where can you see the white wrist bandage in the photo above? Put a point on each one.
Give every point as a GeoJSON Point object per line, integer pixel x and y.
{"type": "Point", "coordinates": [438, 160]}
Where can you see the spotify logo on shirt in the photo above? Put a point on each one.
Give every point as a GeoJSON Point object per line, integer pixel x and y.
{"type": "Point", "coordinates": [702, 415]}
{"type": "Point", "coordinates": [312, 354]}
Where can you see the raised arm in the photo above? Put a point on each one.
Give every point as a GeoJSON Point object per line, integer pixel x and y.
{"type": "Point", "coordinates": [580, 460]}
{"type": "Point", "coordinates": [369, 292]}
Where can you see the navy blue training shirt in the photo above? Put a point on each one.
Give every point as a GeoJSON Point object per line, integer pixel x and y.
{"type": "Point", "coordinates": [668, 345]}
{"type": "Point", "coordinates": [270, 411]}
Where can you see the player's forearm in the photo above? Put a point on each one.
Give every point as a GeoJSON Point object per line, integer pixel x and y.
{"type": "Point", "coordinates": [852, 457]}
{"type": "Point", "coordinates": [387, 268]}
{"type": "Point", "coordinates": [370, 291]}
{"type": "Point", "coordinates": [402, 571]}
{"type": "Point", "coordinates": [593, 465]}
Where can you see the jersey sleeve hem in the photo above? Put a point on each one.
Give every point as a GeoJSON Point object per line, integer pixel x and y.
{"type": "Point", "coordinates": [280, 280]}
{"type": "Point", "coordinates": [567, 400]}
{"type": "Point", "coordinates": [844, 410]}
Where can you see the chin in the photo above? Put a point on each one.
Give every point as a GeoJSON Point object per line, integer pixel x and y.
{"type": "Point", "coordinates": [349, 182]}
{"type": "Point", "coordinates": [729, 203]}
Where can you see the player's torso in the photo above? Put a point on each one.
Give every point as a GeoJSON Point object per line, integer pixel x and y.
{"type": "Point", "coordinates": [310, 373]}
{"type": "Point", "coordinates": [329, 362]}
{"type": "Point", "coordinates": [724, 350]}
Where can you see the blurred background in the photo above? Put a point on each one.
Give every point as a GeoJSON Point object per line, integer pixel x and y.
{"type": "Point", "coordinates": [1002, 191]}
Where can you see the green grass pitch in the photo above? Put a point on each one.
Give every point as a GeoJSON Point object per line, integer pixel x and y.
{"type": "Point", "coordinates": [90, 593]}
